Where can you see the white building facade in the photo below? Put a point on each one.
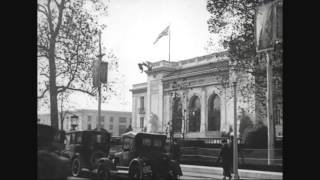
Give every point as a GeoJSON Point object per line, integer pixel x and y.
{"type": "Point", "coordinates": [115, 122]}
{"type": "Point", "coordinates": [193, 96]}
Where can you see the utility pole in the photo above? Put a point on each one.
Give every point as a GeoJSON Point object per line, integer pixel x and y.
{"type": "Point", "coordinates": [270, 111]}
{"type": "Point", "coordinates": [99, 84]}
{"type": "Point", "coordinates": [235, 131]}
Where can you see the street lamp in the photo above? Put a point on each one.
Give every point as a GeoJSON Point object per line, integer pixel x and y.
{"type": "Point", "coordinates": [74, 122]}
{"type": "Point", "coordinates": [235, 137]}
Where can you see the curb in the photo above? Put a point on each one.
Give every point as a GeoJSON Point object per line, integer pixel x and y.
{"type": "Point", "coordinates": [250, 174]}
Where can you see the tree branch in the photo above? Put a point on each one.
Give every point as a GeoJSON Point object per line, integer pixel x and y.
{"type": "Point", "coordinates": [44, 11]}
{"type": "Point", "coordinates": [62, 89]}
{"type": "Point", "coordinates": [43, 93]}
{"type": "Point", "coordinates": [57, 3]}
{"type": "Point", "coordinates": [43, 74]}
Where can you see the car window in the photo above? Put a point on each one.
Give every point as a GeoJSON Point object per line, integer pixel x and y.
{"type": "Point", "coordinates": [99, 138]}
{"type": "Point", "coordinates": [146, 141]}
{"type": "Point", "coordinates": [72, 138]}
{"type": "Point", "coordinates": [79, 138]}
{"type": "Point", "coordinates": [157, 143]}
{"type": "Point", "coordinates": [127, 143]}
{"type": "Point", "coordinates": [67, 139]}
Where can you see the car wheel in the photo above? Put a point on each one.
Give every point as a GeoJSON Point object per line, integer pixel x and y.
{"type": "Point", "coordinates": [173, 177]}
{"type": "Point", "coordinates": [96, 155]}
{"type": "Point", "coordinates": [135, 172]}
{"type": "Point", "coordinates": [76, 166]}
{"type": "Point", "coordinates": [103, 173]}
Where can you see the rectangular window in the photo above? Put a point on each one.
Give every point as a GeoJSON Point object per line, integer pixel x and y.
{"type": "Point", "coordinates": [78, 138]}
{"type": "Point", "coordinates": [68, 139]}
{"type": "Point", "coordinates": [157, 143]}
{"type": "Point", "coordinates": [73, 138]}
{"type": "Point", "coordinates": [146, 141]}
{"type": "Point", "coordinates": [111, 119]}
{"type": "Point", "coordinates": [122, 129]}
{"type": "Point", "coordinates": [111, 127]}
{"type": "Point", "coordinates": [141, 122]}
{"type": "Point", "coordinates": [142, 102]}
{"type": "Point", "coordinates": [122, 120]}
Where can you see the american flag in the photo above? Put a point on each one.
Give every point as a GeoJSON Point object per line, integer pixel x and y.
{"type": "Point", "coordinates": [165, 32]}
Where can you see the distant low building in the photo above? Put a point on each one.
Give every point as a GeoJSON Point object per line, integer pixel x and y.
{"type": "Point", "coordinates": [115, 122]}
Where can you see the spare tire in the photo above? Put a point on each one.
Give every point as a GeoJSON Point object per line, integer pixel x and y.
{"type": "Point", "coordinates": [95, 156]}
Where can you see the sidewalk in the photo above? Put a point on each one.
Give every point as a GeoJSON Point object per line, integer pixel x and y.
{"type": "Point", "coordinates": [206, 171]}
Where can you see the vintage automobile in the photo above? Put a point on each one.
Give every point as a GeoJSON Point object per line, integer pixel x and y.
{"type": "Point", "coordinates": [142, 156]}
{"type": "Point", "coordinates": [85, 148]}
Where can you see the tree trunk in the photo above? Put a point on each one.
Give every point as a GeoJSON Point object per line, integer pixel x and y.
{"type": "Point", "coordinates": [53, 88]}
{"type": "Point", "coordinates": [61, 120]}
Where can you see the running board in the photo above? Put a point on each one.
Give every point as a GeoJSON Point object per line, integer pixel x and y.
{"type": "Point", "coordinates": [122, 167]}
{"type": "Point", "coordinates": [119, 171]}
{"type": "Point", "coordinates": [85, 169]}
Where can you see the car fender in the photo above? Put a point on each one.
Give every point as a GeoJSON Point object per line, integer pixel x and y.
{"type": "Point", "coordinates": [175, 166]}
{"type": "Point", "coordinates": [107, 163]}
{"type": "Point", "coordinates": [136, 160]}
{"type": "Point", "coordinates": [73, 156]}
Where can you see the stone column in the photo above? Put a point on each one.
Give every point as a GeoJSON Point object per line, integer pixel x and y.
{"type": "Point", "coordinates": [148, 107]}
{"type": "Point", "coordinates": [224, 122]}
{"type": "Point", "coordinates": [185, 114]}
{"type": "Point", "coordinates": [203, 110]}
{"type": "Point", "coordinates": [134, 113]}
{"type": "Point", "coordinates": [160, 107]}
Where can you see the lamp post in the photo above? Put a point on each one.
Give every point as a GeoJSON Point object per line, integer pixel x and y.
{"type": "Point", "coordinates": [74, 122]}
{"type": "Point", "coordinates": [235, 131]}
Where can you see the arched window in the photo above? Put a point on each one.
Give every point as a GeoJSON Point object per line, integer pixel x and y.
{"type": "Point", "coordinates": [177, 114]}
{"type": "Point", "coordinates": [194, 114]}
{"type": "Point", "coordinates": [214, 113]}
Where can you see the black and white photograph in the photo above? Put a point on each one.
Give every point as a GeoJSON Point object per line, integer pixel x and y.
{"type": "Point", "coordinates": [159, 89]}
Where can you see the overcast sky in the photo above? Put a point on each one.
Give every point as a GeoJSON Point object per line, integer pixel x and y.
{"type": "Point", "coordinates": [133, 26]}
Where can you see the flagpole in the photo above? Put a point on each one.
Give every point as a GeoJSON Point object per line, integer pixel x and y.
{"type": "Point", "coordinates": [169, 41]}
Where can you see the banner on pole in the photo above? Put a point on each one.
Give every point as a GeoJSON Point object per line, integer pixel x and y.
{"type": "Point", "coordinates": [95, 73]}
{"type": "Point", "coordinates": [268, 24]}
{"type": "Point", "coordinates": [104, 72]}
{"type": "Point", "coordinates": [264, 26]}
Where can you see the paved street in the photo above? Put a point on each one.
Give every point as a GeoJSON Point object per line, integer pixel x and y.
{"type": "Point", "coordinates": [187, 176]}
{"type": "Point", "coordinates": [127, 178]}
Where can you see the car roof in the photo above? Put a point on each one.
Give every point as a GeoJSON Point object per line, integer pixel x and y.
{"type": "Point", "coordinates": [133, 134]}
{"type": "Point", "coordinates": [86, 131]}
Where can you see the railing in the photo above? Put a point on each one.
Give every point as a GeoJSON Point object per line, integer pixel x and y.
{"type": "Point", "coordinates": [211, 140]}
{"type": "Point", "coordinates": [246, 156]}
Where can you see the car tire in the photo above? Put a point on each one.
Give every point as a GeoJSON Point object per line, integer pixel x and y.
{"type": "Point", "coordinates": [95, 156]}
{"type": "Point", "coordinates": [103, 172]}
{"type": "Point", "coordinates": [176, 177]}
{"type": "Point", "coordinates": [135, 172]}
{"type": "Point", "coordinates": [173, 177]}
{"type": "Point", "coordinates": [76, 167]}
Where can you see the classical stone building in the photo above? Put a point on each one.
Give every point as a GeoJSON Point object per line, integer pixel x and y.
{"type": "Point", "coordinates": [194, 97]}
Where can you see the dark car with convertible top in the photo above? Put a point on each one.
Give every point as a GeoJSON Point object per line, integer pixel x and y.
{"type": "Point", "coordinates": [142, 156]}
{"type": "Point", "coordinates": [85, 148]}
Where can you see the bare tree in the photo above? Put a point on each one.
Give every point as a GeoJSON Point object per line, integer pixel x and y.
{"type": "Point", "coordinates": [67, 46]}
